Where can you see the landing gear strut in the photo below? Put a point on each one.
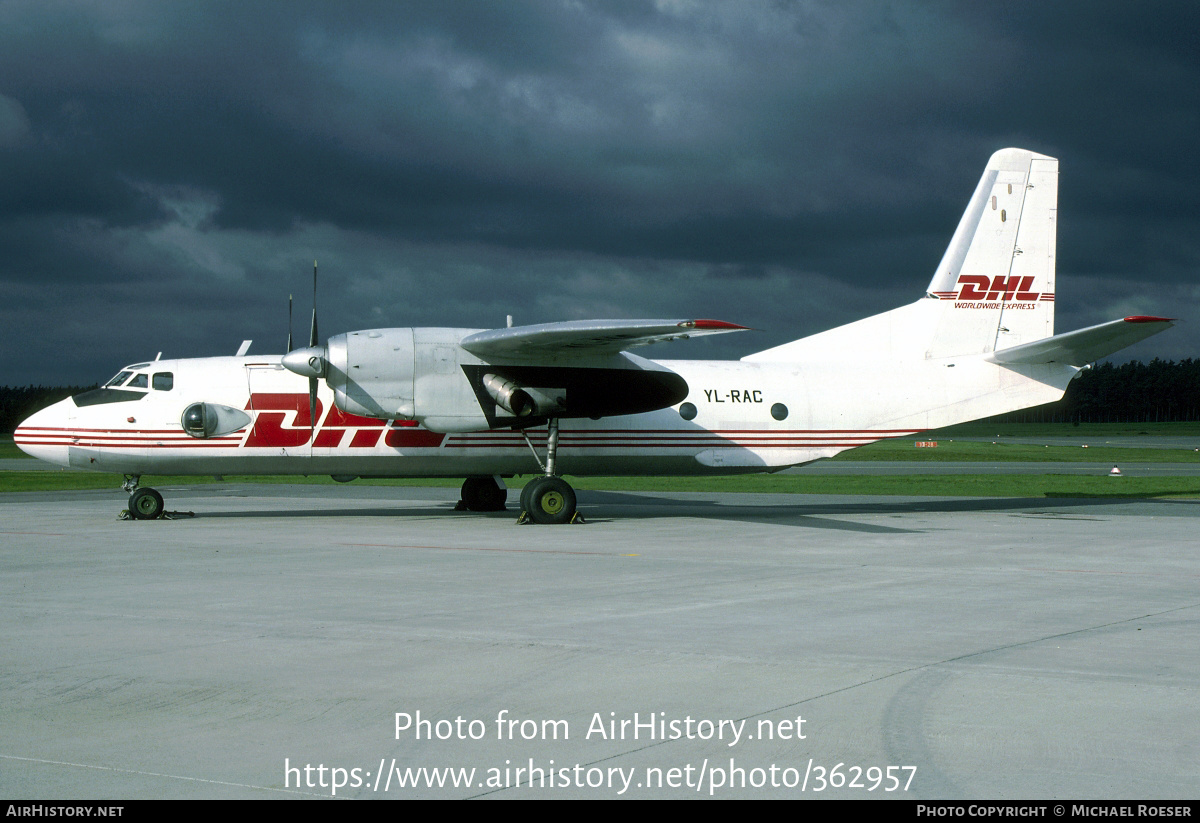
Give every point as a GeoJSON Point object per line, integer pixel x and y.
{"type": "Point", "coordinates": [548, 499]}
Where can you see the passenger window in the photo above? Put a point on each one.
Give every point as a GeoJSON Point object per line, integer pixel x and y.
{"type": "Point", "coordinates": [163, 381]}
{"type": "Point", "coordinates": [139, 381]}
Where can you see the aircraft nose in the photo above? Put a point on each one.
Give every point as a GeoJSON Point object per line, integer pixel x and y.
{"type": "Point", "coordinates": [46, 434]}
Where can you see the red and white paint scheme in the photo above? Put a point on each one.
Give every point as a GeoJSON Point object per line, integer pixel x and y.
{"type": "Point", "coordinates": [407, 402]}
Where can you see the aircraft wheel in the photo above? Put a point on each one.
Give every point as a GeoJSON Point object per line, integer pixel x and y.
{"type": "Point", "coordinates": [145, 504]}
{"type": "Point", "coordinates": [550, 500]}
{"type": "Point", "coordinates": [483, 494]}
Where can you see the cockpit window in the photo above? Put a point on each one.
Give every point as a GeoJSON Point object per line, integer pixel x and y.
{"type": "Point", "coordinates": [109, 393]}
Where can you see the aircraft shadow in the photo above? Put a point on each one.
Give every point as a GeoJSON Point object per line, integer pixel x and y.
{"type": "Point", "coordinates": [600, 507]}
{"type": "Point", "coordinates": [649, 506]}
{"type": "Point", "coordinates": [443, 510]}
{"type": "Point", "coordinates": [863, 505]}
{"type": "Point", "coordinates": [643, 511]}
{"type": "Point", "coordinates": [766, 515]}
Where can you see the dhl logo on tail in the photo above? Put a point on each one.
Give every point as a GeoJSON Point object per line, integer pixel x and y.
{"type": "Point", "coordinates": [986, 291]}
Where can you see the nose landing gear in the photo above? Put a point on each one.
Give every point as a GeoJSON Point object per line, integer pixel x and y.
{"type": "Point", "coordinates": [144, 503]}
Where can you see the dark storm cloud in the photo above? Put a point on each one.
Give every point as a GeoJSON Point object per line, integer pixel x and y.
{"type": "Point", "coordinates": [168, 169]}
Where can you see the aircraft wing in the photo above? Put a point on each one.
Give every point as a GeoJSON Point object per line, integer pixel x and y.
{"type": "Point", "coordinates": [1078, 348]}
{"type": "Point", "coordinates": [586, 338]}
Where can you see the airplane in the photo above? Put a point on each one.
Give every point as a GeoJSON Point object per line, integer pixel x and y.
{"type": "Point", "coordinates": [541, 399]}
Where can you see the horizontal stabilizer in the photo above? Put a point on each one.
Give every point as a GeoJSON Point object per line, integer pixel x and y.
{"type": "Point", "coordinates": [1078, 348]}
{"type": "Point", "coordinates": [586, 338]}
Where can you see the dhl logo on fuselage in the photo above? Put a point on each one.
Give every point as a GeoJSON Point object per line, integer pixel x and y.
{"type": "Point", "coordinates": [268, 428]}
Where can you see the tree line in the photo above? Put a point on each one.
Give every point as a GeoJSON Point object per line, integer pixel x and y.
{"type": "Point", "coordinates": [1156, 392]}
{"type": "Point", "coordinates": [18, 402]}
{"type": "Point", "coordinates": [1161, 391]}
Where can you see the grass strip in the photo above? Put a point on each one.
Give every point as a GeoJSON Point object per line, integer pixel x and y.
{"type": "Point", "coordinates": [959, 451]}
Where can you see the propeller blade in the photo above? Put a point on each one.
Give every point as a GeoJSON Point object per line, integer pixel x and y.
{"type": "Point", "coordinates": [312, 337]}
{"type": "Point", "coordinates": [312, 404]}
{"type": "Point", "coordinates": [289, 346]}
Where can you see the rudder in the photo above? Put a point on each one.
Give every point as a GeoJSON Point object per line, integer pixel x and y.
{"type": "Point", "coordinates": [996, 278]}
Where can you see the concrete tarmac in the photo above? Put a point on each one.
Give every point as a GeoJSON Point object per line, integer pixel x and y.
{"type": "Point", "coordinates": [675, 645]}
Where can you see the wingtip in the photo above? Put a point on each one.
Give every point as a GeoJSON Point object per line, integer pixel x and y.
{"type": "Point", "coordinates": [1147, 318]}
{"type": "Point", "coordinates": [713, 325]}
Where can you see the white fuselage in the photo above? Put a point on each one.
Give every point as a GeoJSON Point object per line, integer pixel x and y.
{"type": "Point", "coordinates": [822, 407]}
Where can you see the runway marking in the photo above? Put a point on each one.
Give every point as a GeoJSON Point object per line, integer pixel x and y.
{"type": "Point", "coordinates": [155, 774]}
{"type": "Point", "coordinates": [483, 549]}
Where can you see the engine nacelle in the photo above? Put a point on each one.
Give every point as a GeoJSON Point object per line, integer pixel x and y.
{"type": "Point", "coordinates": [371, 372]}
{"type": "Point", "coordinates": [411, 374]}
{"type": "Point", "coordinates": [423, 374]}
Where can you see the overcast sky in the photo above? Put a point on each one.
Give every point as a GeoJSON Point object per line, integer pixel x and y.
{"type": "Point", "coordinates": [169, 171]}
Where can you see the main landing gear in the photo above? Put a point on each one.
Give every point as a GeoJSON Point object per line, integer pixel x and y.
{"type": "Point", "coordinates": [548, 499]}
{"type": "Point", "coordinates": [144, 503]}
{"type": "Point", "coordinates": [482, 494]}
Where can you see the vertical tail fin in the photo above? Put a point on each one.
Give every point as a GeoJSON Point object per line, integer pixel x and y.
{"type": "Point", "coordinates": [997, 276]}
{"type": "Point", "coordinates": [994, 288]}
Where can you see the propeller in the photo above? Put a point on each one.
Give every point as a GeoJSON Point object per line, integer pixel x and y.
{"type": "Point", "coordinates": [289, 345]}
{"type": "Point", "coordinates": [309, 362]}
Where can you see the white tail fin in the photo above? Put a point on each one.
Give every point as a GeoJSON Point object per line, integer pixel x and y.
{"type": "Point", "coordinates": [994, 288]}
{"type": "Point", "coordinates": [998, 273]}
